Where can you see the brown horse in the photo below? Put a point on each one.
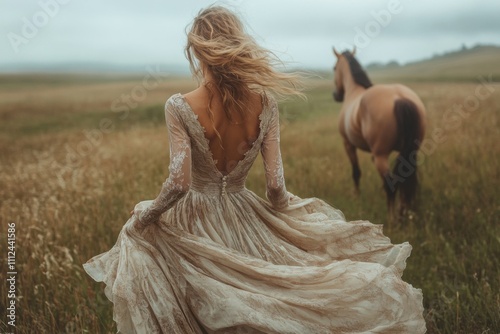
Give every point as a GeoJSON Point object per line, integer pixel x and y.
{"type": "Point", "coordinates": [380, 119]}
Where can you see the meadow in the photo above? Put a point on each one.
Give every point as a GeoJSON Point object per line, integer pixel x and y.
{"type": "Point", "coordinates": [78, 152]}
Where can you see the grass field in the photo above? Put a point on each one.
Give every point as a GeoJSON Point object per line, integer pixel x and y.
{"type": "Point", "coordinates": [77, 155]}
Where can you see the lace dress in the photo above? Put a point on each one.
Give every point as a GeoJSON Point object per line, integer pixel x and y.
{"type": "Point", "coordinates": [210, 256]}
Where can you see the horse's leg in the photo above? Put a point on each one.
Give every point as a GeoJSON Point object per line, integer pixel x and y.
{"type": "Point", "coordinates": [382, 164]}
{"type": "Point", "coordinates": [353, 156]}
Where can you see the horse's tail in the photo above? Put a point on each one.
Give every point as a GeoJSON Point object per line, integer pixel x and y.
{"type": "Point", "coordinates": [405, 170]}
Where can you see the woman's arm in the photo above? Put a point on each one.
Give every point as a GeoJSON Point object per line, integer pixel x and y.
{"type": "Point", "coordinates": [276, 191]}
{"type": "Point", "coordinates": [179, 178]}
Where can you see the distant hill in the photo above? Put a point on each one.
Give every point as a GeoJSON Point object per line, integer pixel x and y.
{"type": "Point", "coordinates": [461, 65]}
{"type": "Point", "coordinates": [465, 64]}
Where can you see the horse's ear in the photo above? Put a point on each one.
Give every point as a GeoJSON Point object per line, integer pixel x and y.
{"type": "Point", "coordinates": [354, 50]}
{"type": "Point", "coordinates": [335, 52]}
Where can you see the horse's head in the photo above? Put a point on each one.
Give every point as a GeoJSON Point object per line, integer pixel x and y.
{"type": "Point", "coordinates": [348, 74]}
{"type": "Point", "coordinates": [339, 71]}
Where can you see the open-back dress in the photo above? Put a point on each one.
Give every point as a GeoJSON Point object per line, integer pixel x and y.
{"type": "Point", "coordinates": [214, 257]}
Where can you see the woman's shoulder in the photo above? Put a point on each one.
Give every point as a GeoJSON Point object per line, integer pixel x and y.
{"type": "Point", "coordinates": [173, 100]}
{"type": "Point", "coordinates": [270, 103]}
{"type": "Point", "coordinates": [198, 93]}
{"type": "Point", "coordinates": [178, 103]}
{"type": "Point", "coordinates": [194, 100]}
{"type": "Point", "coordinates": [175, 108]}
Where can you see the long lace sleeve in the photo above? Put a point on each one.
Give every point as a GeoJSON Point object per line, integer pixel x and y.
{"type": "Point", "coordinates": [276, 191]}
{"type": "Point", "coordinates": [179, 178]}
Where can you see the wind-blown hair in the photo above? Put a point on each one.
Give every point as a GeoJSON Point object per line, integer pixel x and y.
{"type": "Point", "coordinates": [218, 42]}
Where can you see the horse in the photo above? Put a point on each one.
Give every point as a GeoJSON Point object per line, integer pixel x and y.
{"type": "Point", "coordinates": [380, 119]}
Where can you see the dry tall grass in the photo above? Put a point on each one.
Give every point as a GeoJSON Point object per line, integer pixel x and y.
{"type": "Point", "coordinates": [68, 184]}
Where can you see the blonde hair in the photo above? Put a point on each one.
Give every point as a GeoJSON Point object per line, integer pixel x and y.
{"type": "Point", "coordinates": [218, 42]}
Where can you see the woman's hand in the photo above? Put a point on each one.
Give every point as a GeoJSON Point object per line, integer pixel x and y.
{"type": "Point", "coordinates": [137, 225]}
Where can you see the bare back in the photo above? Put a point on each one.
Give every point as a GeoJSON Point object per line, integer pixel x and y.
{"type": "Point", "coordinates": [237, 135]}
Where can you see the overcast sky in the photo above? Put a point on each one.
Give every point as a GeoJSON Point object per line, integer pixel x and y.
{"type": "Point", "coordinates": [303, 32]}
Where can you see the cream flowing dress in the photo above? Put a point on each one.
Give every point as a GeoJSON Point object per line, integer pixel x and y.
{"type": "Point", "coordinates": [214, 257]}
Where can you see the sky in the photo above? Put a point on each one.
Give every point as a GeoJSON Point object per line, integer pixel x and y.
{"type": "Point", "coordinates": [302, 33]}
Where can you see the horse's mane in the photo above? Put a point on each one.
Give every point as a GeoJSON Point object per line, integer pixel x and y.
{"type": "Point", "coordinates": [359, 75]}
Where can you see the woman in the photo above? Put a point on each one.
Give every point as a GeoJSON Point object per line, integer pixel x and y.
{"type": "Point", "coordinates": [210, 256]}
